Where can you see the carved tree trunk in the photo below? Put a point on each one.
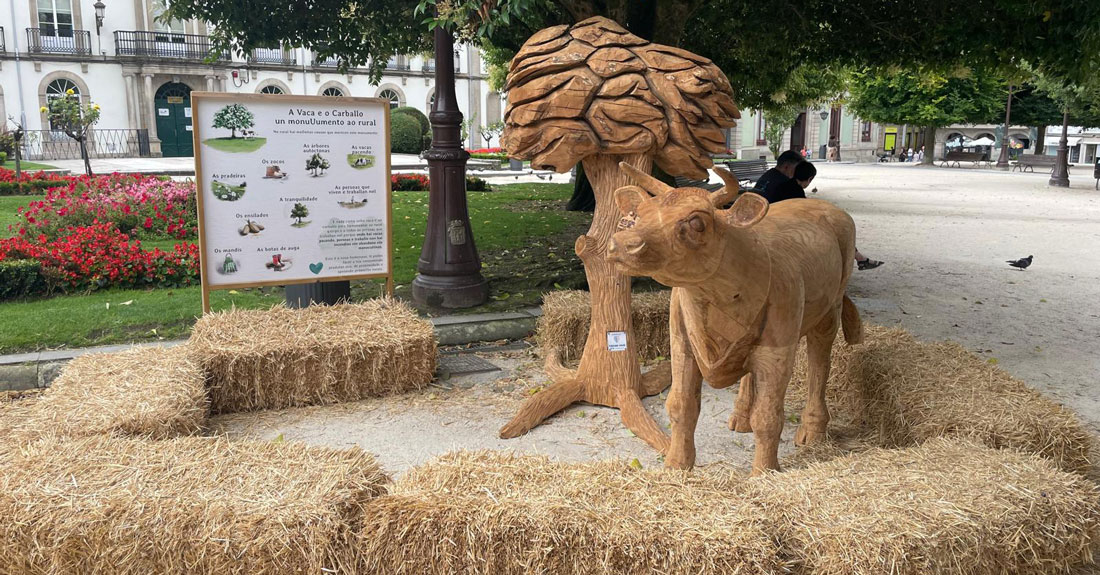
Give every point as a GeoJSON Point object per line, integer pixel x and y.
{"type": "Point", "coordinates": [604, 377]}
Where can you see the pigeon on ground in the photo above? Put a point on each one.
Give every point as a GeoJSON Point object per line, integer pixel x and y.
{"type": "Point", "coordinates": [1020, 263]}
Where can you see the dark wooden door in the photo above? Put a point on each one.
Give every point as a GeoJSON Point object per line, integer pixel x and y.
{"type": "Point", "coordinates": [798, 133]}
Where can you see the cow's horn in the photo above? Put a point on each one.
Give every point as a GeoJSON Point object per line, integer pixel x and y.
{"type": "Point", "coordinates": [726, 193]}
{"type": "Point", "coordinates": [647, 182]}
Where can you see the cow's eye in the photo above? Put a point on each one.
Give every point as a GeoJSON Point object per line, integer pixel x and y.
{"type": "Point", "coordinates": [697, 223]}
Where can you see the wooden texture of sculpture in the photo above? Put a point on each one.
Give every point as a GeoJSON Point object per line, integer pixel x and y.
{"type": "Point", "coordinates": [595, 93]}
{"type": "Point", "coordinates": [747, 284]}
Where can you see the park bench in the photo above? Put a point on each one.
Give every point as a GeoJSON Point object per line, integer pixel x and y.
{"type": "Point", "coordinates": [747, 170]}
{"type": "Point", "coordinates": [952, 159]}
{"type": "Point", "coordinates": [1030, 161]}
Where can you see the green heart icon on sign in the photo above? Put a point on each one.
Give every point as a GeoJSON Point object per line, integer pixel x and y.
{"type": "Point", "coordinates": [316, 268]}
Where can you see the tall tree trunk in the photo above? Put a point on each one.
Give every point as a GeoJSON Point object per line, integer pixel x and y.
{"type": "Point", "coordinates": [84, 155]}
{"type": "Point", "coordinates": [929, 146]}
{"type": "Point", "coordinates": [1040, 140]}
{"type": "Point", "coordinates": [604, 377]}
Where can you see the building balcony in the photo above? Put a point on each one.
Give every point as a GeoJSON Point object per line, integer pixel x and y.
{"type": "Point", "coordinates": [48, 40]}
{"type": "Point", "coordinates": [277, 56]}
{"type": "Point", "coordinates": [395, 64]}
{"type": "Point", "coordinates": [319, 62]}
{"type": "Point", "coordinates": [429, 66]}
{"type": "Point", "coordinates": [167, 45]}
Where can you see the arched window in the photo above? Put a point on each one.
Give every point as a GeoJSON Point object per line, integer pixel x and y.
{"type": "Point", "coordinates": [273, 89]}
{"type": "Point", "coordinates": [431, 102]}
{"type": "Point", "coordinates": [60, 87]}
{"type": "Point", "coordinates": [333, 91]}
{"type": "Point", "coordinates": [392, 96]}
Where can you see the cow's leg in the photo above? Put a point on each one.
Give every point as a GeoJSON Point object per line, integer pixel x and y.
{"type": "Point", "coordinates": [819, 345]}
{"type": "Point", "coordinates": [739, 419]}
{"type": "Point", "coordinates": [683, 398]}
{"type": "Point", "coordinates": [771, 368]}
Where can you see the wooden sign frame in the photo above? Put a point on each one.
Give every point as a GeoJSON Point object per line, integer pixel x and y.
{"type": "Point", "coordinates": [198, 98]}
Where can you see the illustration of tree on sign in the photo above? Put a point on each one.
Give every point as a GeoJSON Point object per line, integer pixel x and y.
{"type": "Point", "coordinates": [234, 117]}
{"type": "Point", "coordinates": [317, 163]}
{"type": "Point", "coordinates": [597, 94]}
{"type": "Point", "coordinates": [298, 212]}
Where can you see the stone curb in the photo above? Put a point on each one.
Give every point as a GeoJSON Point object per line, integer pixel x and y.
{"type": "Point", "coordinates": [23, 371]}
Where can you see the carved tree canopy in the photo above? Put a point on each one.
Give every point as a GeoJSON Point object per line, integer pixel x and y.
{"type": "Point", "coordinates": [595, 88]}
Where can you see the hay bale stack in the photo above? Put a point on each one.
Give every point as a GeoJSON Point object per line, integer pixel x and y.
{"type": "Point", "coordinates": [566, 317]}
{"type": "Point", "coordinates": [489, 513]}
{"type": "Point", "coordinates": [284, 357]}
{"type": "Point", "coordinates": [188, 505]}
{"type": "Point", "coordinates": [152, 392]}
{"type": "Point", "coordinates": [909, 392]}
{"type": "Point", "coordinates": [944, 507]}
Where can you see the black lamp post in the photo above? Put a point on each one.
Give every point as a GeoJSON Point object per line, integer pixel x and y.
{"type": "Point", "coordinates": [449, 268]}
{"type": "Point", "coordinates": [1002, 159]}
{"type": "Point", "coordinates": [1060, 175]}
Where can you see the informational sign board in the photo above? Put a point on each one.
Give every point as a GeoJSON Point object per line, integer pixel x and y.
{"type": "Point", "coordinates": [291, 189]}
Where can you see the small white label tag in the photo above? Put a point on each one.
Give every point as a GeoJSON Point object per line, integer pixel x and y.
{"type": "Point", "coordinates": [162, 111]}
{"type": "Point", "coordinates": [616, 341]}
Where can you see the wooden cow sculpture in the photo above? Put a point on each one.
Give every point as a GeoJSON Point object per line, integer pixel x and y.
{"type": "Point", "coordinates": [748, 282]}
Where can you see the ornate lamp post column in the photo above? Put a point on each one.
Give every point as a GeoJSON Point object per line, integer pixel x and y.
{"type": "Point", "coordinates": [449, 268]}
{"type": "Point", "coordinates": [1002, 160]}
{"type": "Point", "coordinates": [1060, 175]}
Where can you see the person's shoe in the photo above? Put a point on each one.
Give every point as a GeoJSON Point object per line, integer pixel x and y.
{"type": "Point", "coordinates": [869, 264]}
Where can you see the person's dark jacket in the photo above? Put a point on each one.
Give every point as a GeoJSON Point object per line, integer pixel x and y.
{"type": "Point", "coordinates": [772, 177]}
{"type": "Point", "coordinates": [787, 190]}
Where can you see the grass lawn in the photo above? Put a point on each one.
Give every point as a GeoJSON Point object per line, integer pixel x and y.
{"type": "Point", "coordinates": [235, 145]}
{"type": "Point", "coordinates": [27, 166]}
{"type": "Point", "coordinates": [524, 238]}
{"type": "Point", "coordinates": [8, 207]}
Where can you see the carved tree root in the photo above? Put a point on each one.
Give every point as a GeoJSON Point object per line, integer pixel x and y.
{"type": "Point", "coordinates": [604, 377]}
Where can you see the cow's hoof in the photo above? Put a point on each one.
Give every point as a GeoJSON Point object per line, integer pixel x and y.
{"type": "Point", "coordinates": [740, 423]}
{"type": "Point", "coordinates": [805, 435]}
{"type": "Point", "coordinates": [679, 462]}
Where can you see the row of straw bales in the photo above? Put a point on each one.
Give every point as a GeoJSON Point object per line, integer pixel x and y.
{"type": "Point", "coordinates": [947, 506]}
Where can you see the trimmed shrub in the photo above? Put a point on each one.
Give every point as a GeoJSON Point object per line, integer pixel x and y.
{"type": "Point", "coordinates": [20, 278]}
{"type": "Point", "coordinates": [425, 124]}
{"type": "Point", "coordinates": [476, 184]}
{"type": "Point", "coordinates": [405, 134]}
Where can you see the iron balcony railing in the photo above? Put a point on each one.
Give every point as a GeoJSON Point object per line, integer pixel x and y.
{"type": "Point", "coordinates": [168, 45]}
{"type": "Point", "coordinates": [280, 56]}
{"type": "Point", "coordinates": [429, 66]}
{"type": "Point", "coordinates": [394, 64]}
{"type": "Point", "coordinates": [50, 40]}
{"type": "Point", "coordinates": [102, 143]}
{"type": "Point", "coordinates": [319, 62]}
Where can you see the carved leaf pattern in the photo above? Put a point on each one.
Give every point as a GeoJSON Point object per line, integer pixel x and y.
{"type": "Point", "coordinates": [595, 88]}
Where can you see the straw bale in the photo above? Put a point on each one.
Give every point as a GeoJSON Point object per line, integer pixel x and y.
{"type": "Point", "coordinates": [119, 506]}
{"type": "Point", "coordinates": [270, 359]}
{"type": "Point", "coordinates": [908, 392]}
{"type": "Point", "coordinates": [566, 317]}
{"type": "Point", "coordinates": [493, 513]}
{"type": "Point", "coordinates": [948, 506]}
{"type": "Point", "coordinates": [153, 392]}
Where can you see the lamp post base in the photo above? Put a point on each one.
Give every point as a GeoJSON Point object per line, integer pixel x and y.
{"type": "Point", "coordinates": [450, 292]}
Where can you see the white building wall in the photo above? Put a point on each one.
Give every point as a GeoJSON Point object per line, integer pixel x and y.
{"type": "Point", "coordinates": [124, 85]}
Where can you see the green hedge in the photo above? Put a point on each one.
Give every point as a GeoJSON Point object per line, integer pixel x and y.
{"type": "Point", "coordinates": [476, 184]}
{"type": "Point", "coordinates": [405, 135]}
{"type": "Point", "coordinates": [425, 124]}
{"type": "Point", "coordinates": [28, 188]}
{"type": "Point", "coordinates": [21, 278]}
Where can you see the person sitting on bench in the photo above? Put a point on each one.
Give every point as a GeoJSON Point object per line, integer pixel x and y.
{"type": "Point", "coordinates": [795, 187]}
{"type": "Point", "coordinates": [783, 171]}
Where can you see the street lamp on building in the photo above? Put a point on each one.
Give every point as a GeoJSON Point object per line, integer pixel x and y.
{"type": "Point", "coordinates": [100, 8]}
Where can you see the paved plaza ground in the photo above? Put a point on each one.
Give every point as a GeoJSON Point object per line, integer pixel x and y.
{"type": "Point", "coordinates": [945, 235]}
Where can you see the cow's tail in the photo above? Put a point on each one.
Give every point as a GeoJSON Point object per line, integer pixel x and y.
{"type": "Point", "coordinates": [850, 322]}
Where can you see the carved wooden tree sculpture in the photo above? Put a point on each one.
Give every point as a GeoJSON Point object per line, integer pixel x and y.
{"type": "Point", "coordinates": [595, 93]}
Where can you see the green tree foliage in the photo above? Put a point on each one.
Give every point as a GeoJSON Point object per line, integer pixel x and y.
{"type": "Point", "coordinates": [234, 117]}
{"type": "Point", "coordinates": [776, 123]}
{"type": "Point", "coordinates": [317, 164]}
{"type": "Point", "coordinates": [68, 115]}
{"type": "Point", "coordinates": [405, 134]}
{"type": "Point", "coordinates": [299, 211]}
{"type": "Point", "coordinates": [928, 98]}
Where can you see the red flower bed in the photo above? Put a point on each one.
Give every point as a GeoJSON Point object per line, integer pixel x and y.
{"type": "Point", "coordinates": [140, 206]}
{"type": "Point", "coordinates": [8, 176]}
{"type": "Point", "coordinates": [28, 182]}
{"type": "Point", "coordinates": [408, 182]}
{"type": "Point", "coordinates": [487, 151]}
{"type": "Point", "coordinates": [98, 255]}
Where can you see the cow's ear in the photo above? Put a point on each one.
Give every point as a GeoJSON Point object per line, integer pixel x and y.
{"type": "Point", "coordinates": [628, 198]}
{"type": "Point", "coordinates": [747, 211]}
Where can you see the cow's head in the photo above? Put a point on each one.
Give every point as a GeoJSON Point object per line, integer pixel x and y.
{"type": "Point", "coordinates": [675, 235]}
